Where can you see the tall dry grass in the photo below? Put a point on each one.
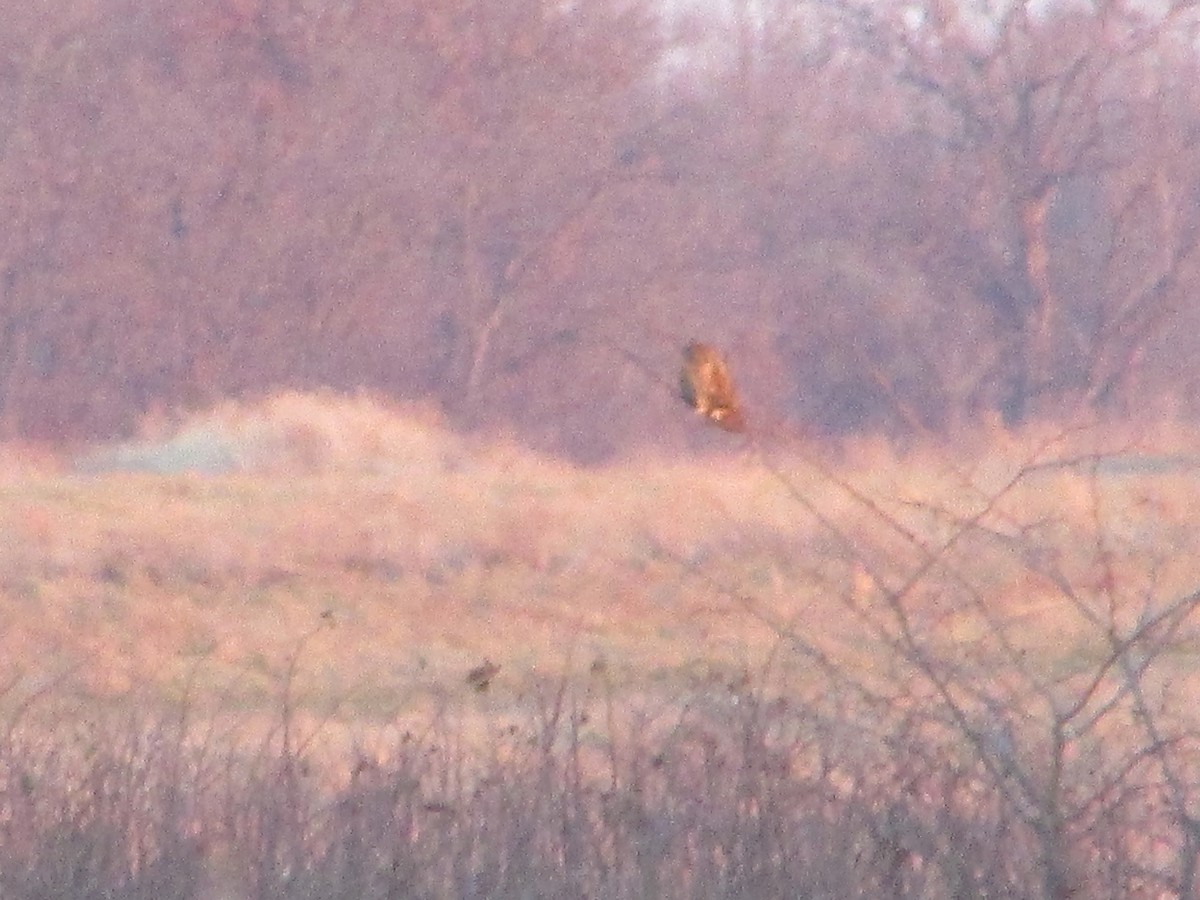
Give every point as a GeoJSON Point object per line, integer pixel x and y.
{"type": "Point", "coordinates": [141, 563]}
{"type": "Point", "coordinates": [781, 673]}
{"type": "Point", "coordinates": [737, 796]}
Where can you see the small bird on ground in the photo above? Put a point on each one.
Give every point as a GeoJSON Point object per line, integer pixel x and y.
{"type": "Point", "coordinates": [481, 676]}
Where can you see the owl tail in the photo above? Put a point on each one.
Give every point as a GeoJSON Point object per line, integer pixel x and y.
{"type": "Point", "coordinates": [729, 418]}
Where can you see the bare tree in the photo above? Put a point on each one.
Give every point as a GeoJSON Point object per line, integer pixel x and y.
{"type": "Point", "coordinates": [1037, 124]}
{"type": "Point", "coordinates": [526, 103]}
{"type": "Point", "coordinates": [1076, 744]}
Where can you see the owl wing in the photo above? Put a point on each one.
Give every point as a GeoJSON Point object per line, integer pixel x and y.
{"type": "Point", "coordinates": [687, 386]}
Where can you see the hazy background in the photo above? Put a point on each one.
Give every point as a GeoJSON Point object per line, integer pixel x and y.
{"type": "Point", "coordinates": [894, 218]}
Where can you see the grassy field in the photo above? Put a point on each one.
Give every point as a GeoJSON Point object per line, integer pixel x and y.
{"type": "Point", "coordinates": [237, 662]}
{"type": "Point", "coordinates": [396, 557]}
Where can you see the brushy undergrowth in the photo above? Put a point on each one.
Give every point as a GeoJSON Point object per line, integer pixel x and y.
{"type": "Point", "coordinates": [740, 795]}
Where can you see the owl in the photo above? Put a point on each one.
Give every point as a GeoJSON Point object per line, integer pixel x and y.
{"type": "Point", "coordinates": [705, 386]}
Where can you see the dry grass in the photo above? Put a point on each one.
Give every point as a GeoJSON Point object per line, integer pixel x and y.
{"type": "Point", "coordinates": [718, 802]}
{"type": "Point", "coordinates": [720, 677]}
{"type": "Point", "coordinates": [151, 564]}
{"type": "Point", "coordinates": [729, 794]}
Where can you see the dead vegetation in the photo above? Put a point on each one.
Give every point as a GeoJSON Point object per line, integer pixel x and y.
{"type": "Point", "coordinates": [949, 673]}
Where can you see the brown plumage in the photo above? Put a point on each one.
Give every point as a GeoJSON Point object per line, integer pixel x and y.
{"type": "Point", "coordinates": [481, 676]}
{"type": "Point", "coordinates": [706, 387]}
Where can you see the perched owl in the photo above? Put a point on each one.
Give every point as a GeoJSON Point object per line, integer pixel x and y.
{"type": "Point", "coordinates": [705, 386]}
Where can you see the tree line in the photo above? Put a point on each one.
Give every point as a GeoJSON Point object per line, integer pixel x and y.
{"type": "Point", "coordinates": [892, 217]}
